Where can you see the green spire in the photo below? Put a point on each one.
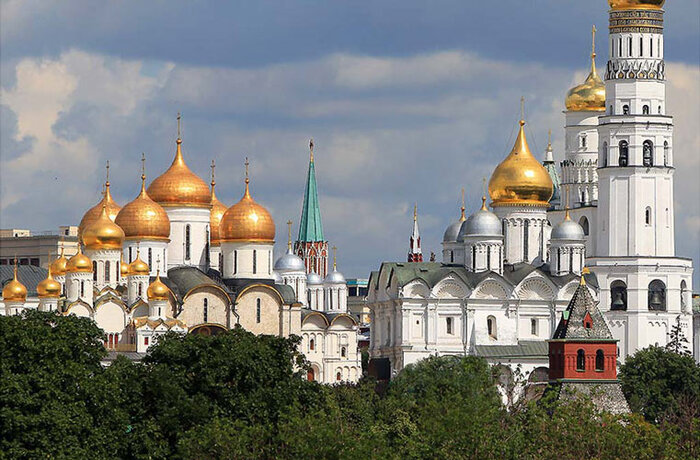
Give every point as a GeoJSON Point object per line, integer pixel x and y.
{"type": "Point", "coordinates": [310, 226]}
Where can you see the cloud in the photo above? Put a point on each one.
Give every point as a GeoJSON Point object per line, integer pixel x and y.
{"type": "Point", "coordinates": [389, 131]}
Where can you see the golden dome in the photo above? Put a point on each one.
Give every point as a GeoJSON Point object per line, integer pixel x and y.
{"type": "Point", "coordinates": [48, 287]}
{"type": "Point", "coordinates": [58, 266]}
{"type": "Point", "coordinates": [79, 262]}
{"type": "Point", "coordinates": [179, 186]}
{"type": "Point", "coordinates": [103, 233]}
{"type": "Point", "coordinates": [143, 218]}
{"type": "Point", "coordinates": [636, 4]}
{"type": "Point", "coordinates": [520, 179]}
{"type": "Point", "coordinates": [123, 268]}
{"type": "Point", "coordinates": [589, 96]}
{"type": "Point", "coordinates": [138, 266]}
{"type": "Point", "coordinates": [14, 291]}
{"type": "Point", "coordinates": [157, 290]}
{"type": "Point", "coordinates": [94, 213]}
{"type": "Point", "coordinates": [247, 221]}
{"type": "Point", "coordinates": [218, 209]}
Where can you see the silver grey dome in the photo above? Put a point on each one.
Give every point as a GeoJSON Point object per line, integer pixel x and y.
{"type": "Point", "coordinates": [290, 262]}
{"type": "Point", "coordinates": [277, 277]}
{"type": "Point", "coordinates": [482, 223]}
{"type": "Point", "coordinates": [452, 232]}
{"type": "Point", "coordinates": [335, 277]}
{"type": "Point", "coordinates": [568, 230]}
{"type": "Point", "coordinates": [313, 279]}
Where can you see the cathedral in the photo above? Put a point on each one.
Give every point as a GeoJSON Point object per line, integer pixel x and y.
{"type": "Point", "coordinates": [509, 270]}
{"type": "Point", "coordinates": [177, 259]}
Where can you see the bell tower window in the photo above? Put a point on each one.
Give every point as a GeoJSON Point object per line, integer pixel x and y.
{"type": "Point", "coordinates": [618, 296]}
{"type": "Point", "coordinates": [648, 153]}
{"type": "Point", "coordinates": [624, 153]}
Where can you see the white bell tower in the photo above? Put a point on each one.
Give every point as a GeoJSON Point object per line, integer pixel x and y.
{"type": "Point", "coordinates": [643, 286]}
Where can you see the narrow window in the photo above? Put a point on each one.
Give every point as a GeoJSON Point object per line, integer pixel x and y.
{"type": "Point", "coordinates": [641, 46]}
{"type": "Point", "coordinates": [257, 311]}
{"type": "Point", "coordinates": [131, 258]}
{"type": "Point", "coordinates": [82, 289]}
{"type": "Point", "coordinates": [140, 289]}
{"type": "Point", "coordinates": [145, 341]}
{"type": "Point", "coordinates": [526, 240]}
{"type": "Point", "coordinates": [645, 109]}
{"type": "Point", "coordinates": [187, 242]}
{"type": "Point", "coordinates": [255, 261]}
{"type": "Point", "coordinates": [452, 257]}
{"type": "Point", "coordinates": [648, 153]}
{"type": "Point", "coordinates": [599, 361]}
{"type": "Point", "coordinates": [605, 154]}
{"type": "Point", "coordinates": [583, 222]}
{"type": "Point", "coordinates": [533, 326]}
{"type": "Point", "coordinates": [624, 153]}
{"type": "Point", "coordinates": [474, 257]}
{"type": "Point", "coordinates": [448, 325]}
{"type": "Point", "coordinates": [647, 216]}
{"type": "Point", "coordinates": [118, 271]}
{"type": "Point", "coordinates": [235, 262]}
{"type": "Point", "coordinates": [651, 47]}
{"type": "Point", "coordinates": [625, 109]}
{"type": "Point", "coordinates": [629, 43]}
{"type": "Point", "coordinates": [206, 310]}
{"type": "Point", "coordinates": [488, 257]}
{"type": "Point", "coordinates": [337, 376]}
{"type": "Point", "coordinates": [580, 360]}
{"type": "Point", "coordinates": [665, 153]}
{"type": "Point", "coordinates": [312, 344]}
{"type": "Point", "coordinates": [107, 264]}
{"type": "Point", "coordinates": [659, 110]}
{"type": "Point", "coordinates": [491, 327]}
{"type": "Point", "coordinates": [343, 352]}
{"type": "Point", "coordinates": [150, 258]}
{"type": "Point", "coordinates": [221, 262]}
{"type": "Point", "coordinates": [94, 270]}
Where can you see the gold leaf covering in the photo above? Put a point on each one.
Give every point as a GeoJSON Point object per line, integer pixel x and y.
{"type": "Point", "coordinates": [103, 233]}
{"type": "Point", "coordinates": [636, 4]}
{"type": "Point", "coordinates": [143, 218]}
{"type": "Point", "coordinates": [179, 186]}
{"type": "Point", "coordinates": [247, 221]}
{"type": "Point", "coordinates": [94, 213]}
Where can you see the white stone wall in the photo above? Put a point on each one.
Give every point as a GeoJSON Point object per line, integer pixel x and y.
{"type": "Point", "coordinates": [79, 286]}
{"type": "Point", "coordinates": [102, 259]}
{"type": "Point", "coordinates": [197, 219]}
{"type": "Point", "coordinates": [154, 253]}
{"type": "Point", "coordinates": [247, 260]}
{"type": "Point", "coordinates": [521, 220]}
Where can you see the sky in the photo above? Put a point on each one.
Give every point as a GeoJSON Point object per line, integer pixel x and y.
{"type": "Point", "coordinates": [407, 101]}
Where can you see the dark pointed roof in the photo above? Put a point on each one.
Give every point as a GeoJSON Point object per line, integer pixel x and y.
{"type": "Point", "coordinates": [580, 309]}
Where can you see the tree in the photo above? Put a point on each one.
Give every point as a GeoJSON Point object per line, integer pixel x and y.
{"type": "Point", "coordinates": [655, 380]}
{"type": "Point", "coordinates": [677, 342]}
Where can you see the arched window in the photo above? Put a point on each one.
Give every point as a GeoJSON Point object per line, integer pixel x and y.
{"type": "Point", "coordinates": [599, 361]}
{"type": "Point", "coordinates": [312, 344]}
{"type": "Point", "coordinates": [583, 140]}
{"type": "Point", "coordinates": [150, 258]}
{"type": "Point", "coordinates": [94, 270]}
{"type": "Point", "coordinates": [583, 222]}
{"type": "Point", "coordinates": [648, 153]}
{"type": "Point", "coordinates": [311, 375]}
{"type": "Point", "coordinates": [206, 311]}
{"type": "Point", "coordinates": [605, 154]}
{"type": "Point", "coordinates": [491, 327]}
{"type": "Point", "coordinates": [625, 109]}
{"type": "Point", "coordinates": [107, 264]}
{"type": "Point", "coordinates": [665, 153]}
{"type": "Point", "coordinates": [647, 216]}
{"type": "Point", "coordinates": [611, 110]}
{"type": "Point", "coordinates": [624, 153]}
{"type": "Point", "coordinates": [187, 241]}
{"type": "Point", "coordinates": [257, 310]}
{"type": "Point", "coordinates": [452, 257]}
{"type": "Point", "coordinates": [140, 289]}
{"type": "Point", "coordinates": [448, 325]}
{"type": "Point", "coordinates": [659, 110]}
{"type": "Point", "coordinates": [533, 326]}
{"type": "Point", "coordinates": [526, 240]}
{"type": "Point", "coordinates": [657, 296]}
{"type": "Point", "coordinates": [645, 109]}
{"type": "Point", "coordinates": [255, 261]}
{"type": "Point", "coordinates": [343, 352]}
{"type": "Point", "coordinates": [338, 376]}
{"type": "Point", "coordinates": [618, 295]}
{"type": "Point", "coordinates": [580, 360]}
{"type": "Point", "coordinates": [684, 290]}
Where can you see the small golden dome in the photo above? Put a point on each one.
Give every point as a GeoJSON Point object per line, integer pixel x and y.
{"type": "Point", "coordinates": [79, 263]}
{"type": "Point", "coordinates": [520, 179]}
{"type": "Point", "coordinates": [138, 266]}
{"type": "Point", "coordinates": [179, 186]}
{"type": "Point", "coordinates": [94, 213]}
{"type": "Point", "coordinates": [247, 221]}
{"type": "Point", "coordinates": [103, 233]}
{"type": "Point", "coordinates": [123, 268]}
{"type": "Point", "coordinates": [218, 209]}
{"type": "Point", "coordinates": [58, 266]}
{"type": "Point", "coordinates": [143, 218]}
{"type": "Point", "coordinates": [48, 287]}
{"type": "Point", "coordinates": [14, 290]}
{"type": "Point", "coordinates": [636, 4]}
{"type": "Point", "coordinates": [589, 96]}
{"type": "Point", "coordinates": [157, 290]}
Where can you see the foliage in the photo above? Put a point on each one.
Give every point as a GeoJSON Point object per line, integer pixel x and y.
{"type": "Point", "coordinates": [655, 380]}
{"type": "Point", "coordinates": [237, 395]}
{"type": "Point", "coordinates": [677, 342]}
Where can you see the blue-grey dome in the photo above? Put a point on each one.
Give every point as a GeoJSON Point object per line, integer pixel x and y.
{"type": "Point", "coordinates": [568, 230]}
{"type": "Point", "coordinates": [334, 277]}
{"type": "Point", "coordinates": [290, 262]}
{"type": "Point", "coordinates": [313, 279]}
{"type": "Point", "coordinates": [482, 223]}
{"type": "Point", "coordinates": [452, 232]}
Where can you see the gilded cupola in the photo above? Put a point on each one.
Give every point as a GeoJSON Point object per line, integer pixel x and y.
{"type": "Point", "coordinates": [79, 263]}
{"type": "Point", "coordinates": [179, 186]}
{"type": "Point", "coordinates": [48, 287]}
{"type": "Point", "coordinates": [143, 218]}
{"type": "Point", "coordinates": [589, 96]}
{"type": "Point", "coordinates": [217, 211]}
{"type": "Point", "coordinates": [58, 266]}
{"type": "Point", "coordinates": [247, 220]}
{"type": "Point", "coordinates": [94, 213]}
{"type": "Point", "coordinates": [123, 268]}
{"type": "Point", "coordinates": [138, 266]}
{"type": "Point", "coordinates": [14, 290]}
{"type": "Point", "coordinates": [157, 290]}
{"type": "Point", "coordinates": [520, 180]}
{"type": "Point", "coordinates": [636, 4]}
{"type": "Point", "coordinates": [103, 233]}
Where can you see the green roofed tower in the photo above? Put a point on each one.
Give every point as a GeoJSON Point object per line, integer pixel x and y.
{"type": "Point", "coordinates": [311, 245]}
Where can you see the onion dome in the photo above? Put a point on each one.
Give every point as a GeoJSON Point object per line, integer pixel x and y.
{"type": "Point", "coordinates": [334, 277]}
{"type": "Point", "coordinates": [157, 290]}
{"type": "Point", "coordinates": [218, 209]}
{"type": "Point", "coordinates": [123, 268]}
{"type": "Point", "coordinates": [589, 96]}
{"type": "Point", "coordinates": [247, 221]}
{"type": "Point", "coordinates": [58, 266]}
{"type": "Point", "coordinates": [94, 213]}
{"type": "Point", "coordinates": [138, 266]}
{"type": "Point", "coordinates": [48, 287]}
{"type": "Point", "coordinates": [636, 4]}
{"type": "Point", "coordinates": [313, 279]}
{"type": "Point", "coordinates": [452, 231]}
{"type": "Point", "coordinates": [567, 229]}
{"type": "Point", "coordinates": [79, 263]}
{"type": "Point", "coordinates": [143, 218]}
{"type": "Point", "coordinates": [14, 290]}
{"type": "Point", "coordinates": [179, 186]}
{"type": "Point", "coordinates": [482, 223]}
{"type": "Point", "coordinates": [290, 262]}
{"type": "Point", "coordinates": [520, 180]}
{"type": "Point", "coordinates": [103, 233]}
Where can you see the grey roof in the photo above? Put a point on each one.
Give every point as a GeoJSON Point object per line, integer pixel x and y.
{"type": "Point", "coordinates": [329, 316]}
{"type": "Point", "coordinates": [290, 262]}
{"type": "Point", "coordinates": [524, 349]}
{"type": "Point", "coordinates": [287, 293]}
{"type": "Point", "coordinates": [183, 279]}
{"type": "Point", "coordinates": [335, 277]}
{"type": "Point", "coordinates": [29, 275]}
{"type": "Point", "coordinates": [131, 355]}
{"type": "Point", "coordinates": [452, 232]}
{"type": "Point", "coordinates": [313, 279]}
{"type": "Point", "coordinates": [482, 223]}
{"type": "Point", "coordinates": [574, 319]}
{"type": "Point", "coordinates": [567, 229]}
{"type": "Point", "coordinates": [605, 395]}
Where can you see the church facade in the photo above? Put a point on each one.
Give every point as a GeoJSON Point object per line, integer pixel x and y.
{"type": "Point", "coordinates": [508, 272]}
